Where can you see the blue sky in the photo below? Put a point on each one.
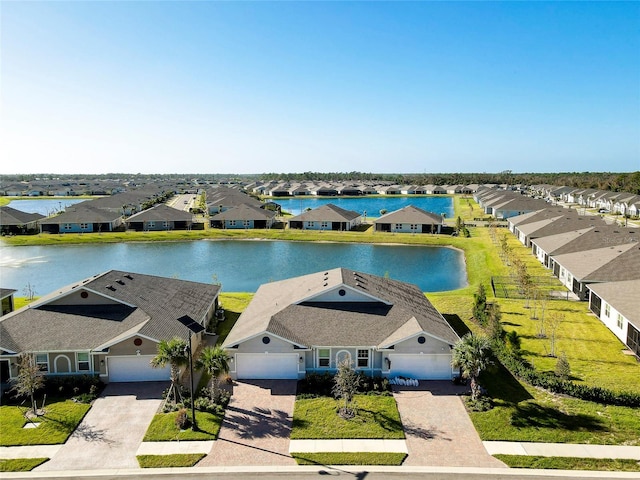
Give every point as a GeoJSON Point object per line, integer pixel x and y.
{"type": "Point", "coordinates": [251, 87]}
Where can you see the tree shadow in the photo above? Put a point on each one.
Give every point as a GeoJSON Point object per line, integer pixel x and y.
{"type": "Point", "coordinates": [258, 423]}
{"type": "Point", "coordinates": [502, 385]}
{"type": "Point", "coordinates": [530, 415]}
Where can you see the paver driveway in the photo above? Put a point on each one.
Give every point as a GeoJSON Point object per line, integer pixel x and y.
{"type": "Point", "coordinates": [438, 429]}
{"type": "Point", "coordinates": [111, 432]}
{"type": "Point", "coordinates": [256, 425]}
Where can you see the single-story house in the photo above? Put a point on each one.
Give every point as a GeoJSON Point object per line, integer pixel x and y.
{"type": "Point", "coordinates": [107, 325]}
{"type": "Point", "coordinates": [82, 218]}
{"type": "Point", "coordinates": [326, 217]}
{"type": "Point", "coordinates": [244, 216]}
{"type": "Point", "coordinates": [311, 323]}
{"type": "Point", "coordinates": [16, 222]}
{"type": "Point", "coordinates": [160, 217]}
{"type": "Point", "coordinates": [409, 219]}
{"type": "Point", "coordinates": [616, 305]}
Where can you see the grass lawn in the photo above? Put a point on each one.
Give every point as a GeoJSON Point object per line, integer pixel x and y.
{"type": "Point", "coordinates": [317, 418]}
{"type": "Point", "coordinates": [349, 458]}
{"type": "Point", "coordinates": [569, 463]}
{"type": "Point", "coordinates": [163, 428]}
{"type": "Point", "coordinates": [168, 461]}
{"type": "Point", "coordinates": [20, 464]}
{"type": "Point", "coordinates": [233, 305]}
{"type": "Point", "coordinates": [59, 421]}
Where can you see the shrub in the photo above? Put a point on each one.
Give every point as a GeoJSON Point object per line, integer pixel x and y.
{"type": "Point", "coordinates": [480, 404]}
{"type": "Point", "coordinates": [73, 385]}
{"type": "Point", "coordinates": [182, 419]}
{"type": "Point", "coordinates": [563, 369]}
{"type": "Point", "coordinates": [321, 385]}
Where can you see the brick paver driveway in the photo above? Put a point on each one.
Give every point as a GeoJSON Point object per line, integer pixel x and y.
{"type": "Point", "coordinates": [111, 432]}
{"type": "Point", "coordinates": [438, 430]}
{"type": "Point", "coordinates": [256, 425]}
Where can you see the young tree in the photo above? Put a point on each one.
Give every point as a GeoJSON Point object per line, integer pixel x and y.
{"type": "Point", "coordinates": [29, 380]}
{"type": "Point", "coordinates": [175, 353]}
{"type": "Point", "coordinates": [346, 383]}
{"type": "Point", "coordinates": [555, 320]}
{"type": "Point", "coordinates": [472, 354]}
{"type": "Point", "coordinates": [563, 369]}
{"type": "Point", "coordinates": [215, 361]}
{"type": "Point", "coordinates": [480, 305]}
{"type": "Point", "coordinates": [494, 325]}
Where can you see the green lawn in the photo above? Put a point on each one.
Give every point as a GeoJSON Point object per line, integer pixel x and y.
{"type": "Point", "coordinates": [168, 461]}
{"type": "Point", "coordinates": [349, 458]}
{"type": "Point", "coordinates": [163, 428]}
{"type": "Point", "coordinates": [317, 418]}
{"type": "Point", "coordinates": [59, 421]}
{"type": "Point", "coordinates": [570, 463]}
{"type": "Point", "coordinates": [233, 305]}
{"type": "Point", "coordinates": [20, 464]}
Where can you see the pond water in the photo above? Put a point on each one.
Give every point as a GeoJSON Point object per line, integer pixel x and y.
{"type": "Point", "coordinates": [372, 205]}
{"type": "Point", "coordinates": [44, 206]}
{"type": "Point", "coordinates": [241, 266]}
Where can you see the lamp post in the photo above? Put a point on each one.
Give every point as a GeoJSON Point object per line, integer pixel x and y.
{"type": "Point", "coordinates": [193, 327]}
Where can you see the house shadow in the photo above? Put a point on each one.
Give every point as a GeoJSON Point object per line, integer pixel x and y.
{"type": "Point", "coordinates": [457, 324]}
{"type": "Point", "coordinates": [502, 385]}
{"type": "Point", "coordinates": [538, 416]}
{"type": "Point", "coordinates": [275, 387]}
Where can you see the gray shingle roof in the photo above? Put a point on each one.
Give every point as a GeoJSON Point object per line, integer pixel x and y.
{"type": "Point", "coordinates": [291, 310]}
{"type": "Point", "coordinates": [411, 214]}
{"type": "Point", "coordinates": [328, 213]}
{"type": "Point", "coordinates": [245, 212]}
{"type": "Point", "coordinates": [161, 213]}
{"type": "Point", "coordinates": [11, 216]}
{"type": "Point", "coordinates": [147, 304]}
{"type": "Point", "coordinates": [623, 296]}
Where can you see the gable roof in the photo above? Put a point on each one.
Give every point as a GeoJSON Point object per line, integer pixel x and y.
{"type": "Point", "coordinates": [623, 296]}
{"type": "Point", "coordinates": [328, 212]}
{"type": "Point", "coordinates": [161, 213]}
{"type": "Point", "coordinates": [245, 212]}
{"type": "Point", "coordinates": [127, 302]}
{"type": "Point", "coordinates": [582, 265]}
{"type": "Point", "coordinates": [292, 309]}
{"type": "Point", "coordinates": [11, 216]}
{"type": "Point", "coordinates": [410, 214]}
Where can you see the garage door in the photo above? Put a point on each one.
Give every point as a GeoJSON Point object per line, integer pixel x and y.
{"type": "Point", "coordinates": [267, 366]}
{"type": "Point", "coordinates": [135, 369]}
{"type": "Point", "coordinates": [421, 367]}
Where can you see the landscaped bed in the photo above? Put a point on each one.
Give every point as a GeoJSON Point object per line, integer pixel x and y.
{"type": "Point", "coordinates": [163, 428]}
{"type": "Point", "coordinates": [20, 464]}
{"type": "Point", "coordinates": [349, 458]}
{"type": "Point", "coordinates": [570, 463]}
{"type": "Point", "coordinates": [169, 461]}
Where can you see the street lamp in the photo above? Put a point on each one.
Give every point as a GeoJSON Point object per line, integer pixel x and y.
{"type": "Point", "coordinates": [193, 327]}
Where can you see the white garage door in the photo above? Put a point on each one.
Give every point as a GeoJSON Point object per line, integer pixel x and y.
{"type": "Point", "coordinates": [421, 367]}
{"type": "Point", "coordinates": [267, 366]}
{"type": "Point", "coordinates": [135, 369]}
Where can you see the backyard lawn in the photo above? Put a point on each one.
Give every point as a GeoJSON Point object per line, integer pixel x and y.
{"type": "Point", "coordinates": [163, 428]}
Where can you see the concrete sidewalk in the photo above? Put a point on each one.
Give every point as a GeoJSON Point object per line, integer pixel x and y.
{"type": "Point", "coordinates": [578, 450]}
{"type": "Point", "coordinates": [30, 451]}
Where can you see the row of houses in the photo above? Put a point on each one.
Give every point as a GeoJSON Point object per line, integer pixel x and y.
{"type": "Point", "coordinates": [622, 203]}
{"type": "Point", "coordinates": [110, 325]}
{"type": "Point", "coordinates": [333, 189]}
{"type": "Point", "coordinates": [598, 262]}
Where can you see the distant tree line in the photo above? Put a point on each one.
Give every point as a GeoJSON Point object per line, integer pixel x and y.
{"type": "Point", "coordinates": [618, 182]}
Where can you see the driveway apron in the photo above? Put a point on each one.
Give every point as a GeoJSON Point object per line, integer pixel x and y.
{"type": "Point", "coordinates": [256, 426]}
{"type": "Point", "coordinates": [438, 429]}
{"type": "Point", "coordinates": [111, 432]}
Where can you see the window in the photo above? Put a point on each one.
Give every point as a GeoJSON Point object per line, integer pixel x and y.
{"type": "Point", "coordinates": [324, 224]}
{"type": "Point", "coordinates": [67, 226]}
{"type": "Point", "coordinates": [607, 310]}
{"type": "Point", "coordinates": [414, 226]}
{"type": "Point", "coordinates": [619, 321]}
{"type": "Point", "coordinates": [232, 223]}
{"type": "Point", "coordinates": [83, 362]}
{"type": "Point", "coordinates": [324, 358]}
{"type": "Point", "coordinates": [311, 224]}
{"type": "Point", "coordinates": [84, 226]}
{"type": "Point", "coordinates": [363, 358]}
{"type": "Point", "coordinates": [398, 226]}
{"type": "Point", "coordinates": [246, 223]}
{"type": "Point", "coordinates": [151, 224]}
{"type": "Point", "coordinates": [42, 361]}
{"type": "Point", "coordinates": [166, 225]}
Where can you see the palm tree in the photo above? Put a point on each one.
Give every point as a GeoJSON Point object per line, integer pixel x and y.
{"type": "Point", "coordinates": [175, 353]}
{"type": "Point", "coordinates": [215, 361]}
{"type": "Point", "coordinates": [472, 354]}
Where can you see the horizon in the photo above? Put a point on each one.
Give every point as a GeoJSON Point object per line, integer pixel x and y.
{"type": "Point", "coordinates": [165, 88]}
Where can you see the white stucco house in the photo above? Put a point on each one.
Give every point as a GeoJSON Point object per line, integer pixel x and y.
{"type": "Point", "coordinates": [305, 324]}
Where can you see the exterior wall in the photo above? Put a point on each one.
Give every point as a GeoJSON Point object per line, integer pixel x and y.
{"type": "Point", "coordinates": [349, 296]}
{"type": "Point", "coordinates": [158, 226]}
{"type": "Point", "coordinates": [76, 227]}
{"type": "Point", "coordinates": [256, 345]}
{"type": "Point", "coordinates": [128, 347]}
{"type": "Point", "coordinates": [337, 354]}
{"type": "Point", "coordinates": [431, 345]}
{"type": "Point", "coordinates": [239, 224]}
{"type": "Point", "coordinates": [609, 316]}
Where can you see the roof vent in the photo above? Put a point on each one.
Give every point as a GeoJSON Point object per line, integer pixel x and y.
{"type": "Point", "coordinates": [120, 282]}
{"type": "Point", "coordinates": [111, 287]}
{"type": "Point", "coordinates": [128, 275]}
